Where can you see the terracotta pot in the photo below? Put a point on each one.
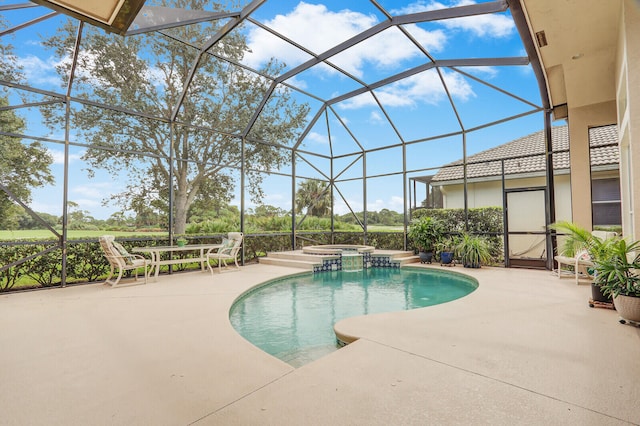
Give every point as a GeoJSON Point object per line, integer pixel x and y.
{"type": "Point", "coordinates": [628, 307]}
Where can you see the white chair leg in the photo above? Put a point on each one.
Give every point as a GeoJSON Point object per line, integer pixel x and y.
{"type": "Point", "coordinates": [108, 279]}
{"type": "Point", "coordinates": [115, 283]}
{"type": "Point", "coordinates": [210, 267]}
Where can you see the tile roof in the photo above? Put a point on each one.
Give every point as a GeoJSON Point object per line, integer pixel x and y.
{"type": "Point", "coordinates": [526, 155]}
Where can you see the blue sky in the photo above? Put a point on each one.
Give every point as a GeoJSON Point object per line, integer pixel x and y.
{"type": "Point", "coordinates": [418, 106]}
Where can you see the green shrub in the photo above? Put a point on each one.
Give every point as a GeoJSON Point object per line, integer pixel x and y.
{"type": "Point", "coordinates": [487, 221]}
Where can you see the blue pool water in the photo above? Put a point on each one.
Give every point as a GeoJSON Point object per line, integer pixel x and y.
{"type": "Point", "coordinates": [292, 318]}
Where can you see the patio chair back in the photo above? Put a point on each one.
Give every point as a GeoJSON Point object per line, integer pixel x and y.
{"type": "Point", "coordinates": [237, 238]}
{"type": "Point", "coordinates": [604, 235]}
{"type": "Point", "coordinates": [119, 258]}
{"type": "Point", "coordinates": [228, 251]}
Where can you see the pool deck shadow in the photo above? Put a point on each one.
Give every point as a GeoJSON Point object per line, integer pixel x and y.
{"type": "Point", "coordinates": [524, 348]}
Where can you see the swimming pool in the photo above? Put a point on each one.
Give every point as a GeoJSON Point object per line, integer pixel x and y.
{"type": "Point", "coordinates": [292, 318]}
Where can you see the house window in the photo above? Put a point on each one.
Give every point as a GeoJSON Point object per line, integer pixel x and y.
{"type": "Point", "coordinates": [605, 199]}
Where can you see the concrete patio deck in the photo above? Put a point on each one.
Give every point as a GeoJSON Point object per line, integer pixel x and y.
{"type": "Point", "coordinates": [522, 349]}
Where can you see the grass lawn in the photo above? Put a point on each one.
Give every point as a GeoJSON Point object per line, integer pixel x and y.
{"type": "Point", "coordinates": [43, 234]}
{"type": "Point", "coordinates": [384, 228]}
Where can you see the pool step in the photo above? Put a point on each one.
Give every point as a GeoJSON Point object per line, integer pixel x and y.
{"type": "Point", "coordinates": [298, 259]}
{"type": "Point", "coordinates": [299, 255]}
{"type": "Point", "coordinates": [302, 264]}
{"type": "Point", "coordinates": [408, 259]}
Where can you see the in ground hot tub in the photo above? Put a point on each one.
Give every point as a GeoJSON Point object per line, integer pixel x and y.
{"type": "Point", "coordinates": [352, 261]}
{"type": "Point", "coordinates": [345, 257]}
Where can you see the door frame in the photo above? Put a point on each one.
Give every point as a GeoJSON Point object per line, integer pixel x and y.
{"type": "Point", "coordinates": [507, 233]}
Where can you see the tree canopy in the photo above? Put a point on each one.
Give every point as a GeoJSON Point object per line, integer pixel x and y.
{"type": "Point", "coordinates": [197, 138]}
{"type": "Point", "coordinates": [314, 198]}
{"type": "Point", "coordinates": [23, 166]}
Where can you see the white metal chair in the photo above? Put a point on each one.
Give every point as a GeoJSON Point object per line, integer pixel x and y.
{"type": "Point", "coordinates": [582, 260]}
{"type": "Point", "coordinates": [579, 263]}
{"type": "Point", "coordinates": [229, 251]}
{"type": "Point", "coordinates": [119, 258]}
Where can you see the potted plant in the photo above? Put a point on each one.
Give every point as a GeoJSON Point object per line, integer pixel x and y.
{"type": "Point", "coordinates": [473, 250]}
{"type": "Point", "coordinates": [447, 249]}
{"type": "Point", "coordinates": [618, 276]}
{"type": "Point", "coordinates": [425, 233]}
{"type": "Point", "coordinates": [181, 241]}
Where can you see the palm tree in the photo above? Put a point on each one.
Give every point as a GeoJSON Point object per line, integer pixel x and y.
{"type": "Point", "coordinates": [315, 197]}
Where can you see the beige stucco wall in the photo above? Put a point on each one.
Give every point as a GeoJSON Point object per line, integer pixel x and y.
{"type": "Point", "coordinates": [580, 120]}
{"type": "Point", "coordinates": [489, 193]}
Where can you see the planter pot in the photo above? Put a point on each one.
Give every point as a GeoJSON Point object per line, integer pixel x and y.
{"type": "Point", "coordinates": [628, 307]}
{"type": "Point", "coordinates": [597, 296]}
{"type": "Point", "coordinates": [426, 256]}
{"type": "Point", "coordinates": [471, 265]}
{"type": "Point", "coordinates": [181, 243]}
{"type": "Point", "coordinates": [446, 257]}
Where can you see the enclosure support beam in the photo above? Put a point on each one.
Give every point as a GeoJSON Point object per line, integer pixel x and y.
{"type": "Point", "coordinates": [242, 191]}
{"type": "Point", "coordinates": [406, 193]}
{"type": "Point", "coordinates": [67, 138]}
{"type": "Point", "coordinates": [550, 202]}
{"type": "Point", "coordinates": [364, 196]}
{"type": "Point", "coordinates": [293, 199]}
{"type": "Point", "coordinates": [505, 217]}
{"type": "Point", "coordinates": [171, 157]}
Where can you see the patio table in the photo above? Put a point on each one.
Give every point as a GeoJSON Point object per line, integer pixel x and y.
{"type": "Point", "coordinates": [157, 261]}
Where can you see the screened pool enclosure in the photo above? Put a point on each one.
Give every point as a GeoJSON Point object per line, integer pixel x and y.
{"type": "Point", "coordinates": [201, 110]}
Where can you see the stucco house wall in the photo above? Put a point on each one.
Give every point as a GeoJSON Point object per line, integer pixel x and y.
{"type": "Point", "coordinates": [489, 193]}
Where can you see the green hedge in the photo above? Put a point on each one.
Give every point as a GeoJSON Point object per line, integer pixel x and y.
{"type": "Point", "coordinates": [483, 220]}
{"type": "Point", "coordinates": [86, 261]}
{"type": "Point", "coordinates": [486, 221]}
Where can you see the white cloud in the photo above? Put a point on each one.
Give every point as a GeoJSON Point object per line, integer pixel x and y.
{"type": "Point", "coordinates": [387, 49]}
{"type": "Point", "coordinates": [341, 208]}
{"type": "Point", "coordinates": [485, 71]}
{"type": "Point", "coordinates": [332, 28]}
{"type": "Point", "coordinates": [329, 29]}
{"type": "Point", "coordinates": [423, 88]}
{"type": "Point", "coordinates": [87, 203]}
{"type": "Point", "coordinates": [91, 192]}
{"type": "Point", "coordinates": [375, 117]}
{"type": "Point", "coordinates": [316, 137]}
{"type": "Point", "coordinates": [491, 25]}
{"type": "Point", "coordinates": [394, 203]}
{"type": "Point", "coordinates": [296, 82]}
{"type": "Point", "coordinates": [58, 156]}
{"type": "Point", "coordinates": [45, 207]}
{"type": "Point", "coordinates": [38, 71]}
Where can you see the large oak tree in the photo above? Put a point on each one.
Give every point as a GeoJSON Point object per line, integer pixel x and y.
{"type": "Point", "coordinates": [146, 74]}
{"type": "Point", "coordinates": [23, 165]}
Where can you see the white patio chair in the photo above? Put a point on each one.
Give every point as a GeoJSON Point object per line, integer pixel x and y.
{"type": "Point", "coordinates": [581, 262]}
{"type": "Point", "coordinates": [119, 258]}
{"type": "Point", "coordinates": [229, 251]}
